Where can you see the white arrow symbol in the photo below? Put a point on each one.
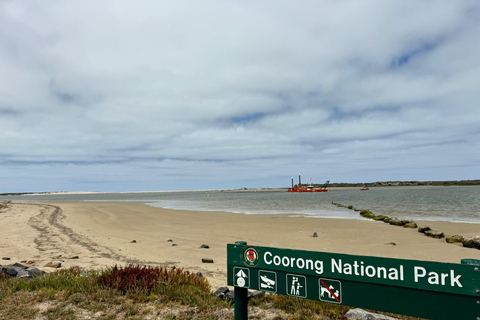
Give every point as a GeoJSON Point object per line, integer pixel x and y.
{"type": "Point", "coordinates": [241, 274]}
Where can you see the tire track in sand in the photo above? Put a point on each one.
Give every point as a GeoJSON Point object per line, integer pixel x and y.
{"type": "Point", "coordinates": [55, 237]}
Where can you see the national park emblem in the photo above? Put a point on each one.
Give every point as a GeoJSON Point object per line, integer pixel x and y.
{"type": "Point", "coordinates": [251, 257]}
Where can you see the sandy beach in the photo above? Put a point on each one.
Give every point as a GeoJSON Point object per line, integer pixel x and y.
{"type": "Point", "coordinates": [101, 235]}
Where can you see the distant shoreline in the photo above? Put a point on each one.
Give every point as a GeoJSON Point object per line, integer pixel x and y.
{"type": "Point", "coordinates": [409, 183]}
{"type": "Point", "coordinates": [335, 185]}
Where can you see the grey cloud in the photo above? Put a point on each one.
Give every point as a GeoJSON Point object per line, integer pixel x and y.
{"type": "Point", "coordinates": [96, 94]}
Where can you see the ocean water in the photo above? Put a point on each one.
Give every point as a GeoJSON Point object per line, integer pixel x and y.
{"type": "Point", "coordinates": [455, 204]}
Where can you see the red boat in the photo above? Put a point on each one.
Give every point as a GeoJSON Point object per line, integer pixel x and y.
{"type": "Point", "coordinates": [309, 188]}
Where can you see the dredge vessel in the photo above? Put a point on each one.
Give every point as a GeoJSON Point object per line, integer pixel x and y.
{"type": "Point", "coordinates": [309, 188]}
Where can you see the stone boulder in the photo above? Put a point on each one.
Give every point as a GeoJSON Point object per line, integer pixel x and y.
{"type": "Point", "coordinates": [256, 295]}
{"type": "Point", "coordinates": [454, 239]}
{"type": "Point", "coordinates": [434, 234]}
{"type": "Point", "coordinates": [397, 222]}
{"type": "Point", "coordinates": [230, 295]}
{"type": "Point", "coordinates": [360, 314]}
{"type": "Point", "coordinates": [387, 219]}
{"type": "Point", "coordinates": [35, 272]}
{"type": "Point", "coordinates": [14, 272]}
{"type": "Point", "coordinates": [221, 292]}
{"type": "Point", "coordinates": [53, 265]}
{"type": "Point", "coordinates": [472, 242]}
{"type": "Point", "coordinates": [410, 224]}
{"type": "Point", "coordinates": [422, 229]}
{"type": "Point", "coordinates": [225, 294]}
{"type": "Point", "coordinates": [367, 214]}
{"type": "Point", "coordinates": [207, 260]}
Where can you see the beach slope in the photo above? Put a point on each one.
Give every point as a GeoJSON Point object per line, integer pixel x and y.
{"type": "Point", "coordinates": [101, 234]}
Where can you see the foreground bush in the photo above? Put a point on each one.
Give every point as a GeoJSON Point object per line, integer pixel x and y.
{"type": "Point", "coordinates": [134, 278]}
{"type": "Point", "coordinates": [139, 292]}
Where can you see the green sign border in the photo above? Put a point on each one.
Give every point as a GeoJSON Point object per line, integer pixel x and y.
{"type": "Point", "coordinates": [402, 297]}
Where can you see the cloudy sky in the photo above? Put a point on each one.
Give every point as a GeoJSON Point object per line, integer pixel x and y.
{"type": "Point", "coordinates": [168, 95]}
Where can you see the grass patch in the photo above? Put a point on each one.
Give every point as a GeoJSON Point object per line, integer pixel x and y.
{"type": "Point", "coordinates": [140, 292]}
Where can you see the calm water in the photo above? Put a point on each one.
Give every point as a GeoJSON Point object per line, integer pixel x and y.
{"type": "Point", "coordinates": [456, 204]}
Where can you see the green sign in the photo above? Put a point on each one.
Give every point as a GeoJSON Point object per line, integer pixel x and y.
{"type": "Point", "coordinates": [431, 290]}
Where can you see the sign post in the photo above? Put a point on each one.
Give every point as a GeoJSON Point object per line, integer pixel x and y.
{"type": "Point", "coordinates": [431, 290]}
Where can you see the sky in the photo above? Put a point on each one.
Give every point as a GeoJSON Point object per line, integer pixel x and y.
{"type": "Point", "coordinates": [186, 95]}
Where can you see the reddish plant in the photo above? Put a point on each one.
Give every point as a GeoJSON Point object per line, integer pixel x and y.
{"type": "Point", "coordinates": [134, 278]}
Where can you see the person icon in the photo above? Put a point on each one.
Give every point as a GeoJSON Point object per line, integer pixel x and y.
{"type": "Point", "coordinates": [293, 289]}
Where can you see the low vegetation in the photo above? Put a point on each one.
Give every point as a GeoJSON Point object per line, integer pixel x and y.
{"type": "Point", "coordinates": [407, 183]}
{"type": "Point", "coordinates": [135, 292]}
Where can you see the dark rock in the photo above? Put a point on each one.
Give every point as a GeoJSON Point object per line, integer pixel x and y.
{"type": "Point", "coordinates": [455, 239]}
{"type": "Point", "coordinates": [230, 295]}
{"type": "Point", "coordinates": [392, 244]}
{"type": "Point", "coordinates": [5, 258]}
{"type": "Point", "coordinates": [379, 218]}
{"type": "Point", "coordinates": [174, 244]}
{"type": "Point", "coordinates": [74, 257]}
{"type": "Point", "coordinates": [472, 242]}
{"type": "Point", "coordinates": [423, 229]}
{"type": "Point", "coordinates": [133, 241]}
{"type": "Point", "coordinates": [434, 234]}
{"type": "Point", "coordinates": [10, 271]}
{"type": "Point", "coordinates": [221, 292]}
{"type": "Point", "coordinates": [204, 246]}
{"type": "Point", "coordinates": [32, 273]}
{"type": "Point", "coordinates": [256, 295]}
{"type": "Point", "coordinates": [207, 260]}
{"type": "Point", "coordinates": [360, 314]}
{"type": "Point", "coordinates": [367, 214]}
{"type": "Point", "coordinates": [350, 207]}
{"type": "Point", "coordinates": [396, 222]}
{"type": "Point", "coordinates": [16, 272]}
{"type": "Point", "coordinates": [315, 235]}
{"type": "Point", "coordinates": [53, 265]}
{"type": "Point", "coordinates": [410, 224]}
{"type": "Point", "coordinates": [169, 240]}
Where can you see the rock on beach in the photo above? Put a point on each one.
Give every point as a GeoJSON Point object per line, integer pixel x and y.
{"type": "Point", "coordinates": [20, 271]}
{"type": "Point", "coordinates": [454, 239]}
{"type": "Point", "coordinates": [422, 229]}
{"type": "Point", "coordinates": [53, 265]}
{"type": "Point", "coordinates": [472, 242]}
{"type": "Point", "coordinates": [207, 260]}
{"type": "Point", "coordinates": [434, 234]}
